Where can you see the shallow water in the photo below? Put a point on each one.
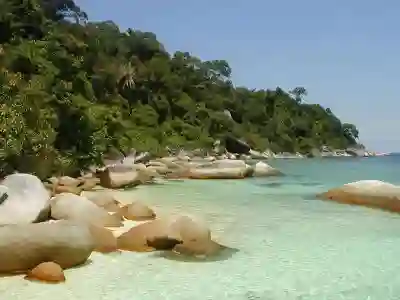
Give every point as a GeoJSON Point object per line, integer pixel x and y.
{"type": "Point", "coordinates": [291, 245]}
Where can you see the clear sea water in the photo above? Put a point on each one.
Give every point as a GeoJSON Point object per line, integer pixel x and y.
{"type": "Point", "coordinates": [291, 245]}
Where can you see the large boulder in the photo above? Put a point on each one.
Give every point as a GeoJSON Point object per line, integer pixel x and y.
{"type": "Point", "coordinates": [66, 206]}
{"type": "Point", "coordinates": [136, 238]}
{"type": "Point", "coordinates": [104, 239]}
{"type": "Point", "coordinates": [23, 247]}
{"type": "Point", "coordinates": [183, 235]}
{"type": "Point", "coordinates": [119, 179]}
{"type": "Point", "coordinates": [226, 163]}
{"type": "Point", "coordinates": [234, 145]}
{"type": "Point", "coordinates": [196, 238]}
{"type": "Point", "coordinates": [221, 169]}
{"type": "Point", "coordinates": [219, 173]}
{"type": "Point", "coordinates": [370, 193]}
{"type": "Point", "coordinates": [23, 199]}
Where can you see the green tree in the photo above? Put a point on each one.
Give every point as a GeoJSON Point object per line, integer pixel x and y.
{"type": "Point", "coordinates": [72, 91]}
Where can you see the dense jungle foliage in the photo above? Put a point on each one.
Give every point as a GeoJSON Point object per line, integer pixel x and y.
{"type": "Point", "coordinates": [72, 90]}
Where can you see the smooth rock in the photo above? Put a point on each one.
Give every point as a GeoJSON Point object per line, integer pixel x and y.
{"type": "Point", "coordinates": [196, 238]}
{"type": "Point", "coordinates": [23, 247]}
{"type": "Point", "coordinates": [262, 169]}
{"type": "Point", "coordinates": [105, 200]}
{"type": "Point", "coordinates": [136, 238]}
{"type": "Point", "coordinates": [183, 235]}
{"type": "Point", "coordinates": [138, 211]}
{"type": "Point", "coordinates": [68, 181]}
{"type": "Point", "coordinates": [68, 206]}
{"type": "Point", "coordinates": [369, 193]}
{"type": "Point", "coordinates": [66, 189]}
{"type": "Point", "coordinates": [219, 173]}
{"type": "Point", "coordinates": [48, 272]}
{"type": "Point", "coordinates": [116, 180]}
{"type": "Point", "coordinates": [23, 198]}
{"type": "Point", "coordinates": [104, 239]}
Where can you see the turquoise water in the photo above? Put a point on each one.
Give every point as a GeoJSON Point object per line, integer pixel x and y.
{"type": "Point", "coordinates": [291, 245]}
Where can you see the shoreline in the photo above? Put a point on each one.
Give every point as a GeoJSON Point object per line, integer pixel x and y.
{"type": "Point", "coordinates": [106, 272]}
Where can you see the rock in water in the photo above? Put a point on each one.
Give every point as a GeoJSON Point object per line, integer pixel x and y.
{"type": "Point", "coordinates": [196, 238]}
{"type": "Point", "coordinates": [66, 206]}
{"type": "Point", "coordinates": [24, 197]}
{"type": "Point", "coordinates": [136, 239]}
{"type": "Point", "coordinates": [183, 234]}
{"type": "Point", "coordinates": [137, 211]}
{"type": "Point", "coordinates": [262, 169]}
{"type": "Point", "coordinates": [369, 193]}
{"type": "Point", "coordinates": [23, 247]}
{"type": "Point", "coordinates": [105, 241]}
{"type": "Point", "coordinates": [48, 272]}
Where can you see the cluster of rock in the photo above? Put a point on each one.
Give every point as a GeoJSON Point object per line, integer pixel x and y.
{"type": "Point", "coordinates": [123, 173]}
{"type": "Point", "coordinates": [46, 228]}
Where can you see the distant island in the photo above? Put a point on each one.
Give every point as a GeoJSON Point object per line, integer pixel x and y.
{"type": "Point", "coordinates": [73, 91]}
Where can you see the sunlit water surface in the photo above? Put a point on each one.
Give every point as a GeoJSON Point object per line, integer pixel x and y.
{"type": "Point", "coordinates": [291, 246]}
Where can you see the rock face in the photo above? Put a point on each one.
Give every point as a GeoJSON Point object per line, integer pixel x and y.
{"type": "Point", "coordinates": [23, 247]}
{"type": "Point", "coordinates": [48, 272]}
{"type": "Point", "coordinates": [370, 193]}
{"type": "Point", "coordinates": [66, 206]}
{"type": "Point", "coordinates": [137, 211]}
{"type": "Point", "coordinates": [23, 199]}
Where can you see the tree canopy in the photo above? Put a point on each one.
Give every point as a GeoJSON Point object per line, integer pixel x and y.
{"type": "Point", "coordinates": [72, 90]}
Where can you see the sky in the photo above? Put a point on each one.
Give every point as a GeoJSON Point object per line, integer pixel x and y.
{"type": "Point", "coordinates": [346, 53]}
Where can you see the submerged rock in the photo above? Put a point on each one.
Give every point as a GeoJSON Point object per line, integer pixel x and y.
{"type": "Point", "coordinates": [23, 247]}
{"type": "Point", "coordinates": [370, 193]}
{"type": "Point", "coordinates": [23, 199]}
{"type": "Point", "coordinates": [48, 272]}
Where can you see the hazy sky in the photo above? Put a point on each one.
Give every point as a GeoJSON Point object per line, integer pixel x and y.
{"type": "Point", "coordinates": [345, 52]}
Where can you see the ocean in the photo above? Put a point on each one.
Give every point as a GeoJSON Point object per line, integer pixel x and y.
{"type": "Point", "coordinates": [289, 245]}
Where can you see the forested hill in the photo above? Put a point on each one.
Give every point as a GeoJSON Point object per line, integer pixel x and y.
{"type": "Point", "coordinates": [72, 90]}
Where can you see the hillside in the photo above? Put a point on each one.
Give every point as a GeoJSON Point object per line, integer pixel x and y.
{"type": "Point", "coordinates": [72, 90]}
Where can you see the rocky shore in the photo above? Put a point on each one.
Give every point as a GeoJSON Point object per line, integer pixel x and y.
{"type": "Point", "coordinates": [51, 225]}
{"type": "Point", "coordinates": [57, 224]}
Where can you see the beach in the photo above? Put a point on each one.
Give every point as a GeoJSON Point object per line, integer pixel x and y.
{"type": "Point", "coordinates": [290, 245]}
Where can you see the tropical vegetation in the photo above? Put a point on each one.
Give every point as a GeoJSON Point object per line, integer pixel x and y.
{"type": "Point", "coordinates": [73, 90]}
